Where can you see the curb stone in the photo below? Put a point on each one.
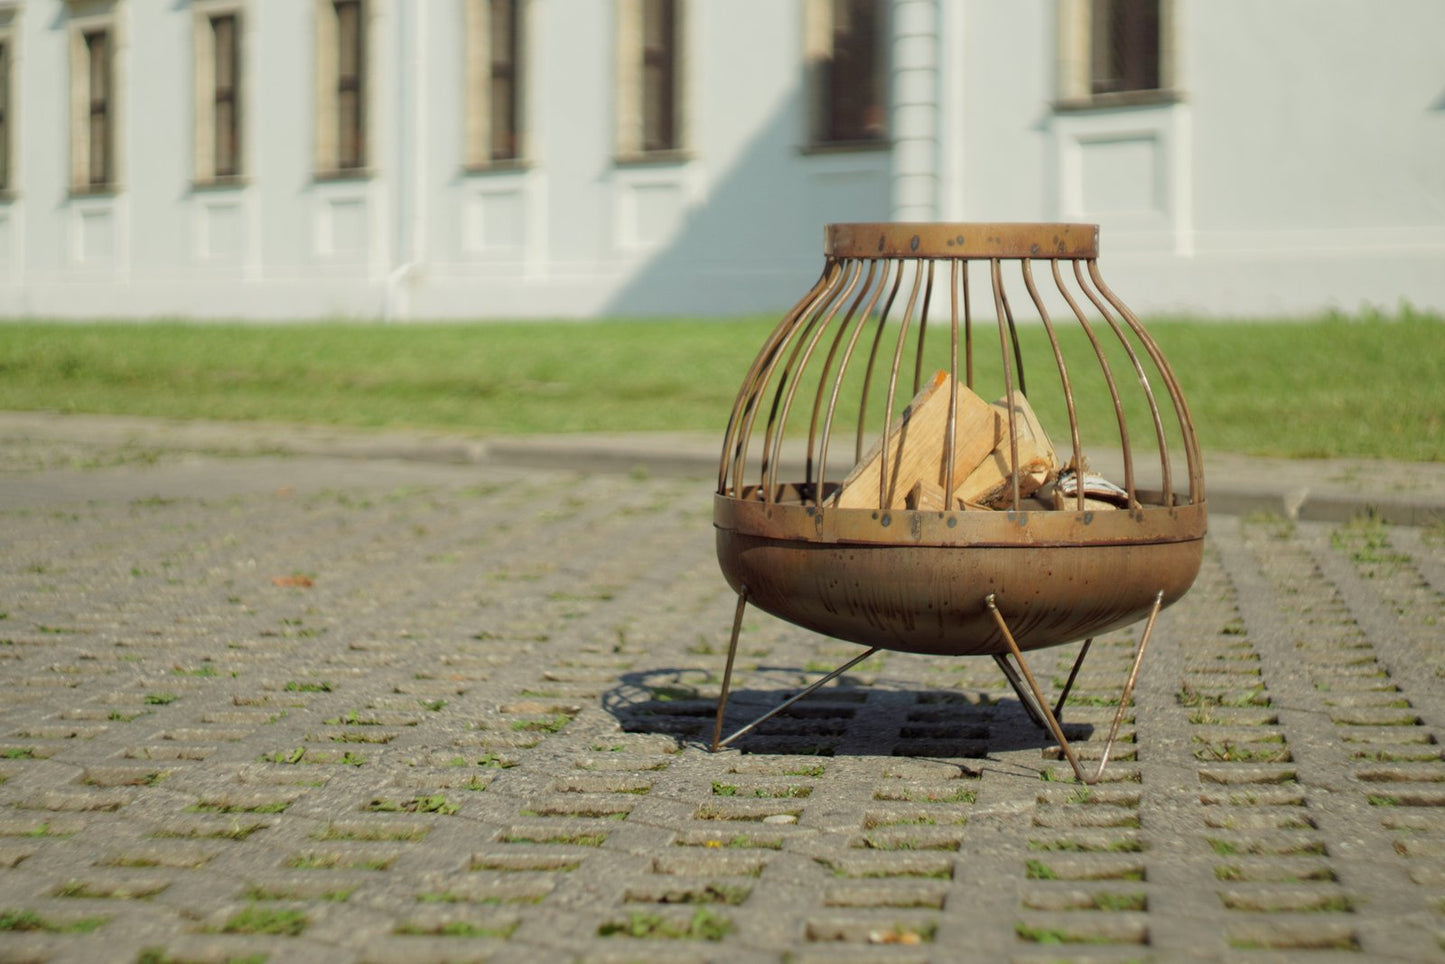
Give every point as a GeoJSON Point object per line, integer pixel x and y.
{"type": "Point", "coordinates": [1328, 490]}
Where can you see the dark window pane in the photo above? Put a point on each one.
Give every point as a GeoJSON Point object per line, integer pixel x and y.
{"type": "Point", "coordinates": [227, 156]}
{"type": "Point", "coordinates": [348, 152]}
{"type": "Point", "coordinates": [4, 115]}
{"type": "Point", "coordinates": [97, 49]}
{"type": "Point", "coordinates": [504, 128]}
{"type": "Point", "coordinates": [350, 92]}
{"type": "Point", "coordinates": [503, 33]}
{"type": "Point", "coordinates": [226, 141]}
{"type": "Point", "coordinates": [505, 95]}
{"type": "Point", "coordinates": [659, 75]}
{"type": "Point", "coordinates": [223, 30]}
{"type": "Point", "coordinates": [348, 32]}
{"type": "Point", "coordinates": [853, 81]}
{"type": "Point", "coordinates": [1125, 45]}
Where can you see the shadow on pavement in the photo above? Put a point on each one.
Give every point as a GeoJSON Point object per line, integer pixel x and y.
{"type": "Point", "coordinates": [850, 717]}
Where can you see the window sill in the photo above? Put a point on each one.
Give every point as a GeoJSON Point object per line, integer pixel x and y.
{"type": "Point", "coordinates": [344, 174]}
{"type": "Point", "coordinates": [506, 165]}
{"type": "Point", "coordinates": [846, 147]}
{"type": "Point", "coordinates": [653, 158]}
{"type": "Point", "coordinates": [84, 191]}
{"type": "Point", "coordinates": [229, 182]}
{"type": "Point", "coordinates": [1120, 98]}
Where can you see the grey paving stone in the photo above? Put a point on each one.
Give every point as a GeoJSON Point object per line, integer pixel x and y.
{"type": "Point", "coordinates": [329, 709]}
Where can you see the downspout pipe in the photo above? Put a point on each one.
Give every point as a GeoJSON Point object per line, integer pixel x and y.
{"type": "Point", "coordinates": [410, 125]}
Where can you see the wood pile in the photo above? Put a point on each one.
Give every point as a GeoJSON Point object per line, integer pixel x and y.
{"type": "Point", "coordinates": [986, 458]}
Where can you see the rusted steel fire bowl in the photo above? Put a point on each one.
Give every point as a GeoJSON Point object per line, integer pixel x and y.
{"type": "Point", "coordinates": [916, 581]}
{"type": "Point", "coordinates": [951, 523]}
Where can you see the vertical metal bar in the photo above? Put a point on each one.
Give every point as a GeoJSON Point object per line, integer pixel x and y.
{"type": "Point", "coordinates": [873, 362]}
{"type": "Point", "coordinates": [1176, 395]}
{"type": "Point", "coordinates": [950, 441]}
{"type": "Point", "coordinates": [745, 409]}
{"type": "Point", "coordinates": [1004, 324]}
{"type": "Point", "coordinates": [1062, 367]}
{"type": "Point", "coordinates": [1109, 381]}
{"type": "Point", "coordinates": [1013, 334]}
{"type": "Point", "coordinates": [796, 366]}
{"type": "Point", "coordinates": [1104, 307]}
{"type": "Point", "coordinates": [877, 292]}
{"type": "Point", "coordinates": [822, 383]}
{"type": "Point", "coordinates": [967, 330]}
{"type": "Point", "coordinates": [883, 473]}
{"type": "Point", "coordinates": [922, 330]}
{"type": "Point", "coordinates": [786, 384]}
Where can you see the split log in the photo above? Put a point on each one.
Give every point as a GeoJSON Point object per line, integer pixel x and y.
{"type": "Point", "coordinates": [991, 483]}
{"type": "Point", "coordinates": [914, 450]}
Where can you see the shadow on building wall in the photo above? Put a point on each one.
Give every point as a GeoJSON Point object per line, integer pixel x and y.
{"type": "Point", "coordinates": [751, 239]}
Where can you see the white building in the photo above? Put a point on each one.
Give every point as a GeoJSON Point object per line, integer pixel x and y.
{"type": "Point", "coordinates": [516, 158]}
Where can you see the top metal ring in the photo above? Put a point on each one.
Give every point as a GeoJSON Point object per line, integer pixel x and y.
{"type": "Point", "coordinates": [962, 240]}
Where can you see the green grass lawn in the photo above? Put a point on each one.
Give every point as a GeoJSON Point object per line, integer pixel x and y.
{"type": "Point", "coordinates": [1336, 386]}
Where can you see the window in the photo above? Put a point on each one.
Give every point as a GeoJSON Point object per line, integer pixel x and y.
{"type": "Point", "coordinates": [659, 75]}
{"type": "Point", "coordinates": [350, 102]}
{"type": "Point", "coordinates": [9, 17]}
{"type": "Point", "coordinates": [342, 61]}
{"type": "Point", "coordinates": [94, 98]}
{"type": "Point", "coordinates": [847, 64]}
{"type": "Point", "coordinates": [98, 146]}
{"type": "Point", "coordinates": [649, 78]}
{"type": "Point", "coordinates": [1115, 52]}
{"type": "Point", "coordinates": [5, 48]}
{"type": "Point", "coordinates": [226, 98]}
{"type": "Point", "coordinates": [218, 39]}
{"type": "Point", "coordinates": [1124, 41]}
{"type": "Point", "coordinates": [494, 81]}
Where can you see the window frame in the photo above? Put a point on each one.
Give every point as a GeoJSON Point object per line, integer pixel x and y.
{"type": "Point", "coordinates": [210, 95]}
{"type": "Point", "coordinates": [821, 55]}
{"type": "Point", "coordinates": [226, 94]}
{"type": "Point", "coordinates": [1081, 50]}
{"type": "Point", "coordinates": [7, 109]}
{"type": "Point", "coordinates": [344, 145]}
{"type": "Point", "coordinates": [97, 125]}
{"type": "Point", "coordinates": [493, 143]}
{"type": "Point", "coordinates": [99, 45]}
{"type": "Point", "coordinates": [351, 68]}
{"type": "Point", "coordinates": [639, 106]}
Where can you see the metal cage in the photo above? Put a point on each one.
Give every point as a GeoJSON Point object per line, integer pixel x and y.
{"type": "Point", "coordinates": [817, 522]}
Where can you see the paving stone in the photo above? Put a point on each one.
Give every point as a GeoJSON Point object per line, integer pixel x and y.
{"type": "Point", "coordinates": [319, 709]}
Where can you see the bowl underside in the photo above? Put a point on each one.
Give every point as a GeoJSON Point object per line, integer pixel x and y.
{"type": "Point", "coordinates": [1054, 577]}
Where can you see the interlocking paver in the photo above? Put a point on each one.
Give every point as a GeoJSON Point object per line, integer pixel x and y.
{"type": "Point", "coordinates": [329, 710]}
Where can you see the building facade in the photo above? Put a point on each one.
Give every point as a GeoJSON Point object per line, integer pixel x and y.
{"type": "Point", "coordinates": [282, 159]}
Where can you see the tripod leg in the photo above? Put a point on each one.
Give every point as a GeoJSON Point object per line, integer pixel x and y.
{"type": "Point", "coordinates": [718, 744]}
{"type": "Point", "coordinates": [1021, 690]}
{"type": "Point", "coordinates": [1073, 675]}
{"type": "Point", "coordinates": [722, 700]}
{"type": "Point", "coordinates": [1051, 718]}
